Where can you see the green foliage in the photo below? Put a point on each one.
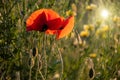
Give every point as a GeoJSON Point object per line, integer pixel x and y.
{"type": "Point", "coordinates": [36, 56]}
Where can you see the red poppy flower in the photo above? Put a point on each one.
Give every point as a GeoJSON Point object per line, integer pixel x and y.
{"type": "Point", "coordinates": [48, 21]}
{"type": "Point", "coordinates": [65, 29]}
{"type": "Point", "coordinates": [43, 19]}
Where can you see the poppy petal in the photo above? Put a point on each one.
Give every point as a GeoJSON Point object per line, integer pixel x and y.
{"type": "Point", "coordinates": [36, 20]}
{"type": "Point", "coordinates": [55, 24]}
{"type": "Point", "coordinates": [50, 31]}
{"type": "Point", "coordinates": [67, 27]}
{"type": "Point", "coordinates": [50, 14]}
{"type": "Point", "coordinates": [39, 18]}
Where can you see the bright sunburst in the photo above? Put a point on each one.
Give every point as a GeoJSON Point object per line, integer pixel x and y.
{"type": "Point", "coordinates": [104, 13]}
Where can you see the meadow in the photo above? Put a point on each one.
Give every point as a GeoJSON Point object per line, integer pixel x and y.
{"type": "Point", "coordinates": [90, 52]}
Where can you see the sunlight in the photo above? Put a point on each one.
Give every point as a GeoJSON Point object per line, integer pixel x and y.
{"type": "Point", "coordinates": [104, 13]}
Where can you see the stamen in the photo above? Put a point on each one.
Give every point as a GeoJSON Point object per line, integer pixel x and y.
{"type": "Point", "coordinates": [61, 28]}
{"type": "Point", "coordinates": [44, 28]}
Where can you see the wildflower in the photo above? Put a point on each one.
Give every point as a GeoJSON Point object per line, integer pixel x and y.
{"type": "Point", "coordinates": [116, 19]}
{"type": "Point", "coordinates": [73, 11]}
{"type": "Point", "coordinates": [48, 21]}
{"type": "Point", "coordinates": [84, 33]}
{"type": "Point", "coordinates": [74, 8]}
{"type": "Point", "coordinates": [104, 35]}
{"type": "Point", "coordinates": [92, 55]}
{"type": "Point", "coordinates": [98, 31]}
{"type": "Point", "coordinates": [105, 28]}
{"type": "Point", "coordinates": [88, 27]}
{"type": "Point", "coordinates": [91, 27]}
{"type": "Point", "coordinates": [70, 13]}
{"type": "Point", "coordinates": [102, 31]}
{"type": "Point", "coordinates": [72, 35]}
{"type": "Point", "coordinates": [91, 7]}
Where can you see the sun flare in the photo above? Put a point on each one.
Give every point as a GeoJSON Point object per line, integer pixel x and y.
{"type": "Point", "coordinates": [104, 13]}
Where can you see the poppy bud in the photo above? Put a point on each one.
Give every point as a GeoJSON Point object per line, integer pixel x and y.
{"type": "Point", "coordinates": [34, 51]}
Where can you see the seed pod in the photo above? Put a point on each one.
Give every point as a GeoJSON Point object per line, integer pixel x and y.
{"type": "Point", "coordinates": [35, 51]}
{"type": "Point", "coordinates": [90, 68]}
{"type": "Point", "coordinates": [91, 73]}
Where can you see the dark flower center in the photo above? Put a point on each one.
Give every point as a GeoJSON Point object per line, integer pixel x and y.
{"type": "Point", "coordinates": [44, 28]}
{"type": "Point", "coordinates": [61, 28]}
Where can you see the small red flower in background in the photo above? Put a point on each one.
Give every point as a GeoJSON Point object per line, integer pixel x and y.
{"type": "Point", "coordinates": [48, 21]}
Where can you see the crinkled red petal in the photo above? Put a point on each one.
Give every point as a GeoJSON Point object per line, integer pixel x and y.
{"type": "Point", "coordinates": [36, 20]}
{"type": "Point", "coordinates": [67, 28]}
{"type": "Point", "coordinates": [42, 17]}
{"type": "Point", "coordinates": [55, 24]}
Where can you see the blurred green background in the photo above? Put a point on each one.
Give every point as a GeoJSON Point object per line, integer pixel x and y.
{"type": "Point", "coordinates": [90, 52]}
